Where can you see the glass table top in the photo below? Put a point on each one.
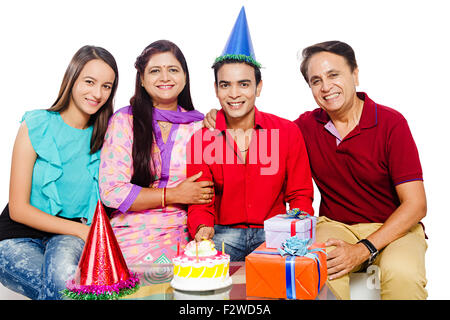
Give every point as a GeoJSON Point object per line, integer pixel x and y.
{"type": "Point", "coordinates": [155, 285]}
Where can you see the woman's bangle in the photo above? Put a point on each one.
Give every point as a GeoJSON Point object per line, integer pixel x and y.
{"type": "Point", "coordinates": [163, 197]}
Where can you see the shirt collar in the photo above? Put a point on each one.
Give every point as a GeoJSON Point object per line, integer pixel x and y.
{"type": "Point", "coordinates": [369, 116]}
{"type": "Point", "coordinates": [221, 123]}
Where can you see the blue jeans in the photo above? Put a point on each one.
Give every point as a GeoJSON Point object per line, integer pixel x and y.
{"type": "Point", "coordinates": [39, 268]}
{"type": "Point", "coordinates": [239, 242]}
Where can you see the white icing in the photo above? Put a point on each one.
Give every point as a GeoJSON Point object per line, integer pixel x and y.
{"type": "Point", "coordinates": [201, 283]}
{"type": "Point", "coordinates": [204, 248]}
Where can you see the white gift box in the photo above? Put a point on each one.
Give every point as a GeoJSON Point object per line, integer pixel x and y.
{"type": "Point", "coordinates": [281, 227]}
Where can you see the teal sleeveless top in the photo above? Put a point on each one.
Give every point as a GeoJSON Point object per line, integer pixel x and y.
{"type": "Point", "coordinates": [65, 175]}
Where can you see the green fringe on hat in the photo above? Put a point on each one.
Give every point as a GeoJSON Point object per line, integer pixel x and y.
{"type": "Point", "coordinates": [239, 57]}
{"type": "Point", "coordinates": [110, 295]}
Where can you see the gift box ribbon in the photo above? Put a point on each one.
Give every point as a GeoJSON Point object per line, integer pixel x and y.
{"type": "Point", "coordinates": [290, 277]}
{"type": "Point", "coordinates": [294, 232]}
{"type": "Point", "coordinates": [298, 215]}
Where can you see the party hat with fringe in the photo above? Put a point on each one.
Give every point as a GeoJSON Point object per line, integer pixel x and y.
{"type": "Point", "coordinates": [102, 272]}
{"type": "Point", "coordinates": [239, 45]}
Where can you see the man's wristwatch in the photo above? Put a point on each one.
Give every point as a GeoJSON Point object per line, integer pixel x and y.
{"type": "Point", "coordinates": [372, 249]}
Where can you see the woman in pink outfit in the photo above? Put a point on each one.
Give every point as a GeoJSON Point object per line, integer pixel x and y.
{"type": "Point", "coordinates": [143, 159]}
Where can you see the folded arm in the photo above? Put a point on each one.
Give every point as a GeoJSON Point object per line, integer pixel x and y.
{"type": "Point", "coordinates": [201, 217]}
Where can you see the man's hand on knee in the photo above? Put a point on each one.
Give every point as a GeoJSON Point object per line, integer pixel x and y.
{"type": "Point", "coordinates": [344, 258]}
{"type": "Point", "coordinates": [204, 233]}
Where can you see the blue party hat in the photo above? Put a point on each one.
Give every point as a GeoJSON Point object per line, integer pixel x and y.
{"type": "Point", "coordinates": [239, 45]}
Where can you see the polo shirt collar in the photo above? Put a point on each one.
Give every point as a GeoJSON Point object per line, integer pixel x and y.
{"type": "Point", "coordinates": [369, 117]}
{"type": "Point", "coordinates": [322, 116]}
{"type": "Point", "coordinates": [221, 123]}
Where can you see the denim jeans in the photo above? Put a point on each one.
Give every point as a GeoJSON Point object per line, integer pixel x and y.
{"type": "Point", "coordinates": [239, 242]}
{"type": "Point", "coordinates": [39, 268]}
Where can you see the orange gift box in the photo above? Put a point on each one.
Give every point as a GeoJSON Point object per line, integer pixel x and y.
{"type": "Point", "coordinates": [267, 275]}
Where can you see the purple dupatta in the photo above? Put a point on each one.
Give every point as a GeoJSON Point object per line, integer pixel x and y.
{"type": "Point", "coordinates": [174, 117]}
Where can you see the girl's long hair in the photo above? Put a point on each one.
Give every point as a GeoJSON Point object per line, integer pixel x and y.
{"type": "Point", "coordinates": [100, 119]}
{"type": "Point", "coordinates": [142, 109]}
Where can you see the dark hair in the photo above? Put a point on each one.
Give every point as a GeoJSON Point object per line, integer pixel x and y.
{"type": "Point", "coordinates": [99, 120]}
{"type": "Point", "coordinates": [337, 47]}
{"type": "Point", "coordinates": [142, 109]}
{"type": "Point", "coordinates": [216, 66]}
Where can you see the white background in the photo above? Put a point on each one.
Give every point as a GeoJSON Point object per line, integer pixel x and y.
{"type": "Point", "coordinates": [401, 47]}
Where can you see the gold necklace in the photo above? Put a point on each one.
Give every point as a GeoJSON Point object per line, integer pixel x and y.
{"type": "Point", "coordinates": [163, 125]}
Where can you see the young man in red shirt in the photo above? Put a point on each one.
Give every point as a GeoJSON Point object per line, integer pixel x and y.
{"type": "Point", "coordinates": [257, 161]}
{"type": "Point", "coordinates": [366, 165]}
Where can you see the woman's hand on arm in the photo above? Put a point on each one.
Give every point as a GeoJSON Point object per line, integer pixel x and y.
{"type": "Point", "coordinates": [189, 191]}
{"type": "Point", "coordinates": [22, 164]}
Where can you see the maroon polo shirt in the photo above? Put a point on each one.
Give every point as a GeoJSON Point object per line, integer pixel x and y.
{"type": "Point", "coordinates": [276, 172]}
{"type": "Point", "coordinates": [357, 176]}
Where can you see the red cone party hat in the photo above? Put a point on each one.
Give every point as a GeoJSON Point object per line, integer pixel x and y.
{"type": "Point", "coordinates": [102, 272]}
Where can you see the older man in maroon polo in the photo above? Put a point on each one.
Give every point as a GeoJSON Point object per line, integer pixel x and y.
{"type": "Point", "coordinates": [366, 165]}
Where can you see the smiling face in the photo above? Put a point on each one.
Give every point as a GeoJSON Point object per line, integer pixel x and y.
{"type": "Point", "coordinates": [332, 82]}
{"type": "Point", "coordinates": [92, 88]}
{"type": "Point", "coordinates": [237, 90]}
{"type": "Point", "coordinates": [164, 79]}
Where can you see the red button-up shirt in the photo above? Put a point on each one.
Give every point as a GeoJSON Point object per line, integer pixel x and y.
{"type": "Point", "coordinates": [276, 172]}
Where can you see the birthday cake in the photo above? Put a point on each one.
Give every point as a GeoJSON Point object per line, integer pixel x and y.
{"type": "Point", "coordinates": [201, 267]}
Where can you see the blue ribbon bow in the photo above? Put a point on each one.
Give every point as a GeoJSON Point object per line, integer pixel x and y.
{"type": "Point", "coordinates": [295, 247]}
{"type": "Point", "coordinates": [297, 214]}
